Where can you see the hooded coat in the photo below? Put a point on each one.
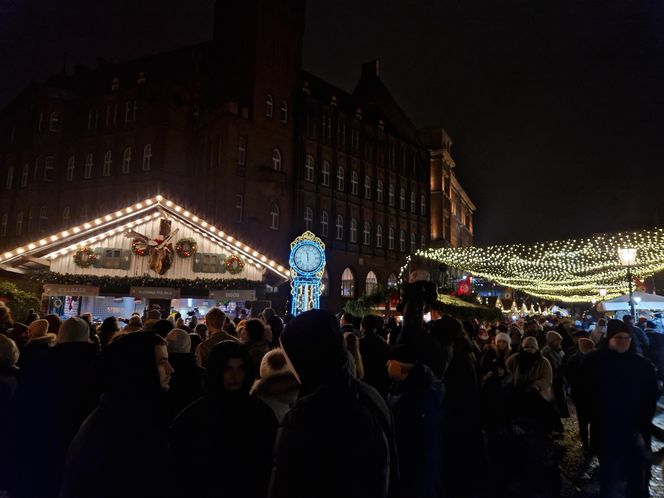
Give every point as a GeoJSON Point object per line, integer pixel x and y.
{"type": "Point", "coordinates": [121, 449]}
{"type": "Point", "coordinates": [374, 349]}
{"type": "Point", "coordinates": [186, 384]}
{"type": "Point", "coordinates": [223, 441]}
{"type": "Point", "coordinates": [338, 438]}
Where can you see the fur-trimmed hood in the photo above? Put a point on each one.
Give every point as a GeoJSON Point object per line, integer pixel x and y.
{"type": "Point", "coordinates": [277, 385]}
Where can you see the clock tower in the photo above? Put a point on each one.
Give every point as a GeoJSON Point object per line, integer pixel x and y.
{"type": "Point", "coordinates": [307, 263]}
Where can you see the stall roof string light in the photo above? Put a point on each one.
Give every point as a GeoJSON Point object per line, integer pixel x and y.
{"type": "Point", "coordinates": [565, 270]}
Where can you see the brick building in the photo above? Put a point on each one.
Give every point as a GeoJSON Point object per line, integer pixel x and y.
{"type": "Point", "coordinates": [234, 130]}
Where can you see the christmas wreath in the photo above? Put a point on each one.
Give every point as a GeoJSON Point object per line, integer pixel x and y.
{"type": "Point", "coordinates": [85, 257]}
{"type": "Point", "coordinates": [186, 247]}
{"type": "Point", "coordinates": [234, 264]}
{"type": "Point", "coordinates": [139, 248]}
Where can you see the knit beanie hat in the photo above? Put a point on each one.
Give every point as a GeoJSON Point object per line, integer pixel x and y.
{"type": "Point", "coordinates": [586, 345]}
{"type": "Point", "coordinates": [273, 364]}
{"type": "Point", "coordinates": [38, 328]}
{"type": "Point", "coordinates": [178, 341]}
{"type": "Point", "coordinates": [616, 327]}
{"type": "Point", "coordinates": [503, 336]}
{"type": "Point", "coordinates": [161, 327]}
{"type": "Point", "coordinates": [552, 335]}
{"type": "Point", "coordinates": [8, 351]}
{"type": "Point", "coordinates": [74, 329]}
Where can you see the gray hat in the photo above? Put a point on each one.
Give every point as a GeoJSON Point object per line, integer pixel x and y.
{"type": "Point", "coordinates": [74, 329]}
{"type": "Point", "coordinates": [8, 351]}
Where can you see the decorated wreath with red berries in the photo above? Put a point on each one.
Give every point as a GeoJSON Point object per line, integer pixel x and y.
{"type": "Point", "coordinates": [234, 264]}
{"type": "Point", "coordinates": [85, 257]}
{"type": "Point", "coordinates": [139, 248]}
{"type": "Point", "coordinates": [186, 247]}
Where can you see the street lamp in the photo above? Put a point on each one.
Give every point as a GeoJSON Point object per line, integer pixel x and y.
{"type": "Point", "coordinates": [627, 259]}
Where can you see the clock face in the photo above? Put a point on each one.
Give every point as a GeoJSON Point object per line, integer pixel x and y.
{"type": "Point", "coordinates": [307, 258]}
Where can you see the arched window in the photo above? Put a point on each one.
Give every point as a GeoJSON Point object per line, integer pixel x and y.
{"type": "Point", "coordinates": [390, 238]}
{"type": "Point", "coordinates": [413, 203]}
{"type": "Point", "coordinates": [87, 172]}
{"type": "Point", "coordinates": [423, 205]}
{"type": "Point", "coordinates": [390, 195]}
{"type": "Point", "coordinates": [284, 111]}
{"type": "Point", "coordinates": [325, 284]}
{"type": "Point", "coordinates": [43, 218]}
{"type": "Point", "coordinates": [309, 168]}
{"type": "Point", "coordinates": [107, 163]}
{"type": "Point", "coordinates": [371, 283]}
{"type": "Point", "coordinates": [274, 216]}
{"type": "Point", "coordinates": [269, 106]}
{"type": "Point", "coordinates": [379, 235]}
{"type": "Point", "coordinates": [242, 151]}
{"type": "Point", "coordinates": [366, 234]}
{"type": "Point", "coordinates": [392, 280]}
{"type": "Point", "coordinates": [402, 241]}
{"type": "Point", "coordinates": [340, 227]}
{"type": "Point", "coordinates": [340, 179]}
{"type": "Point", "coordinates": [147, 157]}
{"type": "Point", "coordinates": [3, 224]}
{"type": "Point", "coordinates": [19, 223]}
{"type": "Point", "coordinates": [276, 159]}
{"type": "Point", "coordinates": [49, 168]}
{"type": "Point", "coordinates": [353, 230]}
{"type": "Point", "coordinates": [308, 217]}
{"type": "Point", "coordinates": [423, 241]}
{"type": "Point", "coordinates": [325, 174]}
{"type": "Point", "coordinates": [413, 242]}
{"type": "Point", "coordinates": [367, 187]}
{"type": "Point", "coordinates": [353, 182]}
{"type": "Point", "coordinates": [347, 283]}
{"type": "Point", "coordinates": [379, 190]}
{"type": "Point", "coordinates": [126, 160]}
{"type": "Point", "coordinates": [66, 215]}
{"type": "Point", "coordinates": [402, 199]}
{"type": "Point", "coordinates": [25, 174]}
{"type": "Point", "coordinates": [54, 122]}
{"type": "Point", "coordinates": [324, 222]}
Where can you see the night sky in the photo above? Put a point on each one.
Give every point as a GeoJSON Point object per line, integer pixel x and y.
{"type": "Point", "coordinates": [556, 108]}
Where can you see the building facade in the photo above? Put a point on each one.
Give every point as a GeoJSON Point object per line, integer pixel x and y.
{"type": "Point", "coordinates": [234, 130]}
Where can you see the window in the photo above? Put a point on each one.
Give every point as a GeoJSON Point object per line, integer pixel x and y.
{"type": "Point", "coordinates": [12, 135]}
{"type": "Point", "coordinates": [126, 160]}
{"type": "Point", "coordinates": [308, 218]}
{"type": "Point", "coordinates": [239, 203]}
{"type": "Point", "coordinates": [9, 181]}
{"type": "Point", "coordinates": [341, 133]}
{"type": "Point", "coordinates": [207, 263]}
{"type": "Point", "coordinates": [113, 259]}
{"type": "Point", "coordinates": [309, 168]}
{"type": "Point", "coordinates": [413, 242]}
{"type": "Point", "coordinates": [390, 238]}
{"type": "Point", "coordinates": [402, 199]}
{"type": "Point", "coordinates": [141, 78]}
{"type": "Point", "coordinates": [242, 151]}
{"type": "Point", "coordinates": [269, 106]}
{"type": "Point", "coordinates": [84, 211]}
{"type": "Point", "coordinates": [325, 174]}
{"type": "Point", "coordinates": [87, 172]}
{"type": "Point", "coordinates": [274, 217]}
{"type": "Point", "coordinates": [49, 169]}
{"type": "Point", "coordinates": [43, 218]}
{"type": "Point", "coordinates": [40, 123]}
{"type": "Point", "coordinates": [276, 159]}
{"type": "Point", "coordinates": [25, 175]}
{"type": "Point", "coordinates": [379, 235]}
{"type": "Point", "coordinates": [402, 241]}
{"type": "Point", "coordinates": [325, 284]}
{"type": "Point", "coordinates": [54, 122]}
{"type": "Point", "coordinates": [413, 203]}
{"type": "Point", "coordinates": [353, 230]}
{"type": "Point", "coordinates": [93, 119]}
{"type": "Point", "coordinates": [284, 111]}
{"type": "Point", "coordinates": [115, 84]}
{"type": "Point", "coordinates": [340, 179]}
{"type": "Point", "coordinates": [371, 283]}
{"type": "Point", "coordinates": [367, 187]}
{"type": "Point", "coordinates": [379, 191]}
{"type": "Point", "coordinates": [131, 107]}
{"type": "Point", "coordinates": [3, 225]}
{"type": "Point", "coordinates": [66, 215]}
{"type": "Point", "coordinates": [353, 183]}
{"type": "Point", "coordinates": [19, 223]}
{"type": "Point", "coordinates": [423, 205]}
{"type": "Point", "coordinates": [147, 156]}
{"type": "Point", "coordinates": [423, 241]}
{"type": "Point", "coordinates": [390, 195]}
{"type": "Point", "coordinates": [324, 221]}
{"type": "Point", "coordinates": [108, 161]}
{"type": "Point", "coordinates": [111, 114]}
{"type": "Point", "coordinates": [366, 234]}
{"type": "Point", "coordinates": [347, 283]}
{"type": "Point", "coordinates": [340, 227]}
{"type": "Point", "coordinates": [392, 280]}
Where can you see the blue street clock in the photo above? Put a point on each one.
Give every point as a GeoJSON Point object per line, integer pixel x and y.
{"type": "Point", "coordinates": [307, 263]}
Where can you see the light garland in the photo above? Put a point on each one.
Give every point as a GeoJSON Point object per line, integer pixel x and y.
{"type": "Point", "coordinates": [567, 270]}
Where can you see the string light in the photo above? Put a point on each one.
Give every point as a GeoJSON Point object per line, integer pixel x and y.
{"type": "Point", "coordinates": [568, 270]}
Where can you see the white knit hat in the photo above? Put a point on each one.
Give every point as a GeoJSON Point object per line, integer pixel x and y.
{"type": "Point", "coordinates": [74, 329]}
{"type": "Point", "coordinates": [8, 351]}
{"type": "Point", "coordinates": [273, 364]}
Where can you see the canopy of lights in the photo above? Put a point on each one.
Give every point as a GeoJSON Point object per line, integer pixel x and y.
{"type": "Point", "coordinates": [567, 270]}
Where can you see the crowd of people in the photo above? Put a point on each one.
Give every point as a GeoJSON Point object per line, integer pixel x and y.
{"type": "Point", "coordinates": [320, 406]}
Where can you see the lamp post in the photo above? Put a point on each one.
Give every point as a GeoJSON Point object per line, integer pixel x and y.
{"type": "Point", "coordinates": [627, 259]}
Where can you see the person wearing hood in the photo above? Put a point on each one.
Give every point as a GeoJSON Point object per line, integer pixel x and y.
{"type": "Point", "coordinates": [133, 324]}
{"type": "Point", "coordinates": [275, 324]}
{"type": "Point", "coordinates": [223, 441]}
{"type": "Point", "coordinates": [416, 400]}
{"type": "Point", "coordinates": [621, 389]}
{"type": "Point", "coordinates": [338, 439]}
{"type": "Point", "coordinates": [186, 384]}
{"type": "Point", "coordinates": [277, 386]}
{"type": "Point", "coordinates": [374, 349]}
{"type": "Point", "coordinates": [122, 447]}
{"type": "Point", "coordinates": [37, 346]}
{"type": "Point", "coordinates": [598, 331]}
{"type": "Point", "coordinates": [9, 355]}
{"type": "Point", "coordinates": [107, 330]}
{"type": "Point", "coordinates": [252, 336]}
{"type": "Point", "coordinates": [575, 382]}
{"type": "Point", "coordinates": [553, 351]}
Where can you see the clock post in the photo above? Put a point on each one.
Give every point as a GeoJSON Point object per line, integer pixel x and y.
{"type": "Point", "coordinates": [307, 264]}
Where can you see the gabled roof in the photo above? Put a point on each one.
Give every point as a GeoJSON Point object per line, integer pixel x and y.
{"type": "Point", "coordinates": [40, 252]}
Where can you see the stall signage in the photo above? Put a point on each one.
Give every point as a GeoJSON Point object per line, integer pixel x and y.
{"type": "Point", "coordinates": [154, 292]}
{"type": "Point", "coordinates": [70, 290]}
{"type": "Point", "coordinates": [233, 295]}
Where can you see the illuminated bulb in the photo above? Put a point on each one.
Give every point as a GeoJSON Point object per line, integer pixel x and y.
{"type": "Point", "coordinates": [65, 234]}
{"type": "Point", "coordinates": [31, 246]}
{"type": "Point", "coordinates": [255, 253]}
{"type": "Point", "coordinates": [204, 224]}
{"type": "Point", "coordinates": [76, 229]}
{"type": "Point", "coordinates": [118, 214]}
{"type": "Point", "coordinates": [160, 198]}
{"type": "Point", "coordinates": [129, 210]}
{"type": "Point", "coordinates": [87, 226]}
{"type": "Point", "coordinates": [54, 238]}
{"type": "Point", "coordinates": [20, 250]}
{"type": "Point", "coordinates": [138, 206]}
{"type": "Point", "coordinates": [187, 214]}
{"type": "Point", "coordinates": [148, 202]}
{"type": "Point", "coordinates": [169, 203]}
{"type": "Point", "coordinates": [42, 242]}
{"type": "Point", "coordinates": [8, 255]}
{"type": "Point", "coordinates": [108, 217]}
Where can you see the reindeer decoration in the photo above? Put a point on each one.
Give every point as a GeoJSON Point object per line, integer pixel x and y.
{"type": "Point", "coordinates": [160, 249]}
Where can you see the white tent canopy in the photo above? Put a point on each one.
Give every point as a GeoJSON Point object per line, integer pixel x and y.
{"type": "Point", "coordinates": [642, 301]}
